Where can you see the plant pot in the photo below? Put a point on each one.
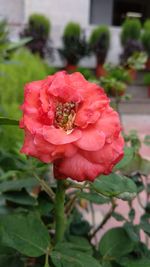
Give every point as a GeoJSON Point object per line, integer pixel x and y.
{"type": "Point", "coordinates": [148, 64]}
{"type": "Point", "coordinates": [71, 68]}
{"type": "Point", "coordinates": [100, 71]}
{"type": "Point", "coordinates": [133, 74]}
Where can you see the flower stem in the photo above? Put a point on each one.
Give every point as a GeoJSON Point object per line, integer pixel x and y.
{"type": "Point", "coordinates": [60, 211]}
{"type": "Point", "coordinates": [45, 187]}
{"type": "Point", "coordinates": [46, 260]}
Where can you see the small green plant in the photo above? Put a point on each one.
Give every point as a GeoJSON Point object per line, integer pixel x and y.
{"type": "Point", "coordinates": [146, 41]}
{"type": "Point", "coordinates": [147, 79]}
{"type": "Point", "coordinates": [131, 30]}
{"type": "Point", "coordinates": [147, 25]}
{"type": "Point", "coordinates": [38, 28]}
{"type": "Point", "coordinates": [118, 72]}
{"type": "Point", "coordinates": [87, 73]}
{"type": "Point", "coordinates": [40, 24]}
{"type": "Point", "coordinates": [74, 44]}
{"type": "Point", "coordinates": [72, 30]}
{"type": "Point", "coordinates": [99, 43]}
{"type": "Point", "coordinates": [112, 86]}
{"type": "Point", "coordinates": [137, 61]}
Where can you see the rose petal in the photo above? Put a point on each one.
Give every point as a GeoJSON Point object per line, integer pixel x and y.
{"type": "Point", "coordinates": [62, 88]}
{"type": "Point", "coordinates": [59, 136]}
{"type": "Point", "coordinates": [90, 110]}
{"type": "Point", "coordinates": [91, 140]}
{"type": "Point", "coordinates": [79, 168]}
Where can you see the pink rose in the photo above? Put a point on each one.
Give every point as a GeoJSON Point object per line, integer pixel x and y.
{"type": "Point", "coordinates": [68, 121]}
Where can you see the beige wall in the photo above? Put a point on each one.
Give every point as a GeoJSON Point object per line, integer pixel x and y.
{"type": "Point", "coordinates": [60, 11]}
{"type": "Point", "coordinates": [12, 10]}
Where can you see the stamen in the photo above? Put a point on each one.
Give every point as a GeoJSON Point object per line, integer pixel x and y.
{"type": "Point", "coordinates": [65, 116]}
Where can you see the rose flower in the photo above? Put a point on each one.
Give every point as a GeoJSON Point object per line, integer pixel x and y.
{"type": "Point", "coordinates": [68, 121]}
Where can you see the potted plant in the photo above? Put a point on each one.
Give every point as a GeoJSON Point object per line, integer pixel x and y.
{"type": "Point", "coordinates": [130, 40]}
{"type": "Point", "coordinates": [118, 72]}
{"type": "Point", "coordinates": [74, 46]}
{"type": "Point", "coordinates": [99, 45]}
{"type": "Point", "coordinates": [136, 62]}
{"type": "Point", "coordinates": [147, 82]}
{"type": "Point", "coordinates": [131, 30]}
{"type": "Point", "coordinates": [112, 86]}
{"type": "Point", "coordinates": [146, 41]}
{"type": "Point", "coordinates": [38, 28]}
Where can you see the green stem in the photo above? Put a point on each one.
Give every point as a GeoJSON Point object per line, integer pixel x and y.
{"type": "Point", "coordinates": [45, 187]}
{"type": "Point", "coordinates": [46, 260]}
{"type": "Point", "coordinates": [60, 211]}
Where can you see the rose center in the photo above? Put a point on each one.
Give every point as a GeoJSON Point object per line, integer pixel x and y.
{"type": "Point", "coordinates": [65, 115]}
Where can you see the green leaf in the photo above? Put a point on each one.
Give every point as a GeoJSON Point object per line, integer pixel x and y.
{"type": "Point", "coordinates": [147, 140]}
{"type": "Point", "coordinates": [83, 246]}
{"type": "Point", "coordinates": [145, 167]}
{"type": "Point", "coordinates": [115, 185]}
{"type": "Point", "coordinates": [128, 156]}
{"type": "Point", "coordinates": [72, 258]}
{"type": "Point", "coordinates": [10, 258]}
{"type": "Point", "coordinates": [25, 233]}
{"type": "Point", "coordinates": [115, 243]}
{"type": "Point", "coordinates": [137, 263]}
{"type": "Point", "coordinates": [132, 214]}
{"type": "Point", "coordinates": [7, 121]}
{"type": "Point", "coordinates": [14, 46]}
{"type": "Point", "coordinates": [10, 261]}
{"type": "Point", "coordinates": [145, 223]}
{"type": "Point", "coordinates": [118, 216]}
{"type": "Point", "coordinates": [132, 231]}
{"type": "Point", "coordinates": [21, 197]}
{"type": "Point", "coordinates": [18, 184]}
{"type": "Point", "coordinates": [94, 198]}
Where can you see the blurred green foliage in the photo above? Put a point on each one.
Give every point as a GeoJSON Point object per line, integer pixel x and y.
{"type": "Point", "coordinates": [23, 67]}
{"type": "Point", "coordinates": [146, 37]}
{"type": "Point", "coordinates": [40, 23]}
{"type": "Point", "coordinates": [147, 24]}
{"type": "Point", "coordinates": [74, 44]}
{"type": "Point", "coordinates": [99, 42]}
{"type": "Point", "coordinates": [147, 79]}
{"type": "Point", "coordinates": [38, 28]}
{"type": "Point", "coordinates": [131, 30]}
{"type": "Point", "coordinates": [72, 29]}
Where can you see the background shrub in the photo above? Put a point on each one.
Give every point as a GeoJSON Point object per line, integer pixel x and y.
{"type": "Point", "coordinates": [72, 30]}
{"type": "Point", "coordinates": [74, 44]}
{"type": "Point", "coordinates": [131, 30]}
{"type": "Point", "coordinates": [38, 28]}
{"type": "Point", "coordinates": [99, 42]}
{"type": "Point", "coordinates": [147, 24]}
{"type": "Point", "coordinates": [23, 67]}
{"type": "Point", "coordinates": [146, 41]}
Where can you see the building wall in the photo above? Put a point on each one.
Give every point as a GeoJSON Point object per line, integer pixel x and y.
{"type": "Point", "coordinates": [12, 10]}
{"type": "Point", "coordinates": [60, 11]}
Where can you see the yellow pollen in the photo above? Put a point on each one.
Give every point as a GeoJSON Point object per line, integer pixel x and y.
{"type": "Point", "coordinates": [65, 115]}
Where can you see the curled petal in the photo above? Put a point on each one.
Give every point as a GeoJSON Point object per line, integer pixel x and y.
{"type": "Point", "coordinates": [79, 168]}
{"type": "Point", "coordinates": [59, 136]}
{"type": "Point", "coordinates": [91, 140]}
